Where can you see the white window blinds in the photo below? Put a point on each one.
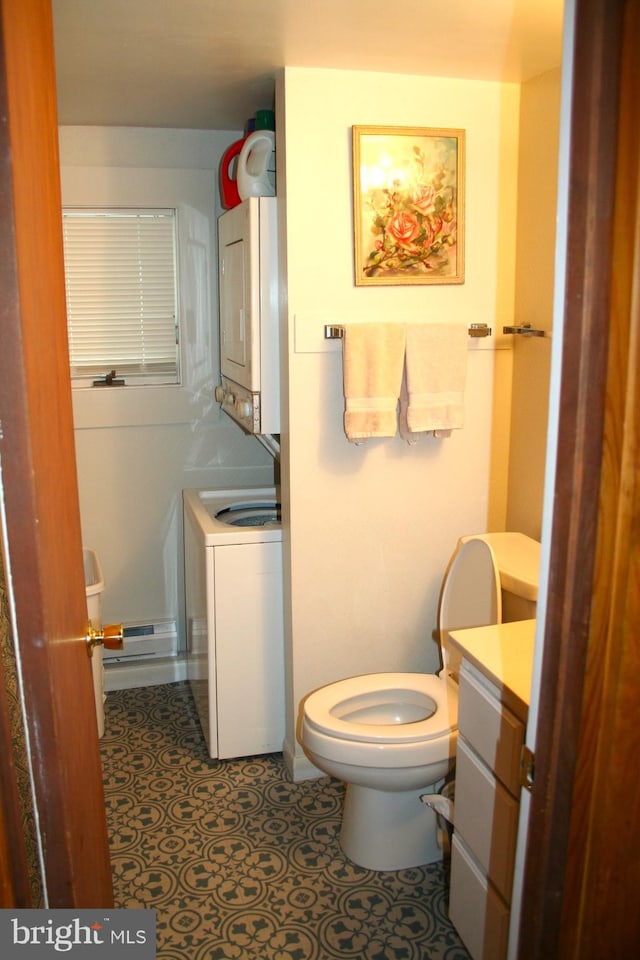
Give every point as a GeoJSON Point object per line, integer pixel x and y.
{"type": "Point", "coordinates": [120, 277]}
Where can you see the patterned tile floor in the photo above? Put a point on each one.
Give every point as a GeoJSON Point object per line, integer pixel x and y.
{"type": "Point", "coordinates": [242, 864]}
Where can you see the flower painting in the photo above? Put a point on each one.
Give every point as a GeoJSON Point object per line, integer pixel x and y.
{"type": "Point", "coordinates": [408, 205]}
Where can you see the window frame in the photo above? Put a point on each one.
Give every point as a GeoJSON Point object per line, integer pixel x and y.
{"type": "Point", "coordinates": [135, 374]}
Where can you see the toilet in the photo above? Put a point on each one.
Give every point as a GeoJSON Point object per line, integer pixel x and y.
{"type": "Point", "coordinates": [391, 737]}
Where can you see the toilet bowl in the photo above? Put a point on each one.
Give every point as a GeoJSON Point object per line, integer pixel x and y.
{"type": "Point", "coordinates": [391, 737]}
{"type": "Point", "coordinates": [387, 735]}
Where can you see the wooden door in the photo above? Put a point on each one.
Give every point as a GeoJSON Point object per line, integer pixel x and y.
{"type": "Point", "coordinates": [582, 867]}
{"type": "Point", "coordinates": [42, 537]}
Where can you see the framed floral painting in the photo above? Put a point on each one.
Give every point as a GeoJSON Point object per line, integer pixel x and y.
{"type": "Point", "coordinates": [408, 199]}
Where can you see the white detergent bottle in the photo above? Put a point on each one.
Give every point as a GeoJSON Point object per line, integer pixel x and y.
{"type": "Point", "coordinates": [256, 173]}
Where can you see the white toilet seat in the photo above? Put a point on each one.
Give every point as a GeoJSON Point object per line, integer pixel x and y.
{"type": "Point", "coordinates": [385, 708]}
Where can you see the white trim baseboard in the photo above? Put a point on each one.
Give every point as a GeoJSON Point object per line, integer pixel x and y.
{"type": "Point", "coordinates": [144, 673]}
{"type": "Point", "coordinates": [298, 765]}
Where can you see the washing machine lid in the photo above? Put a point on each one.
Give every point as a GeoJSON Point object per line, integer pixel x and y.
{"type": "Point", "coordinates": [412, 707]}
{"type": "Point", "coordinates": [517, 558]}
{"type": "Point", "coordinates": [250, 514]}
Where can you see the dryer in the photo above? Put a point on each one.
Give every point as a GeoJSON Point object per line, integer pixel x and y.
{"type": "Point", "coordinates": [234, 612]}
{"type": "Point", "coordinates": [249, 329]}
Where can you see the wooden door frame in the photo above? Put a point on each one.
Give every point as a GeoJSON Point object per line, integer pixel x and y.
{"type": "Point", "coordinates": [588, 560]}
{"type": "Point", "coordinates": [74, 854]}
{"type": "Point", "coordinates": [42, 538]}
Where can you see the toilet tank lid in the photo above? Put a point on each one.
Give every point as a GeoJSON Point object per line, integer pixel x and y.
{"type": "Point", "coordinates": [518, 560]}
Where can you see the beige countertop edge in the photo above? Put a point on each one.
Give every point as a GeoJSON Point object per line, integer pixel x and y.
{"type": "Point", "coordinates": [502, 652]}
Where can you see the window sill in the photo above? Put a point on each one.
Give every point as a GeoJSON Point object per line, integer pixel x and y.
{"type": "Point", "coordinates": [99, 407]}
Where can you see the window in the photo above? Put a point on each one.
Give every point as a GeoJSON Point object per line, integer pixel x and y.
{"type": "Point", "coordinates": [120, 279]}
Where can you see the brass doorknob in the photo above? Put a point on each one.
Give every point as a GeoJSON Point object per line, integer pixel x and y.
{"type": "Point", "coordinates": [110, 636]}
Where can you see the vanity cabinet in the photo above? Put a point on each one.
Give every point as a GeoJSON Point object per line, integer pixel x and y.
{"type": "Point", "coordinates": [491, 728]}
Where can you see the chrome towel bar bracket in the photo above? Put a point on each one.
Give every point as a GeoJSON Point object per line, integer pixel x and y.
{"type": "Point", "coordinates": [333, 332]}
{"type": "Point", "coordinates": [479, 330]}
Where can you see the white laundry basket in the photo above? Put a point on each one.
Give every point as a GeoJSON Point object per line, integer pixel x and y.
{"type": "Point", "coordinates": [94, 582]}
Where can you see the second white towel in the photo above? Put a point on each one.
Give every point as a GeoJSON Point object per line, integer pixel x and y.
{"type": "Point", "coordinates": [435, 369]}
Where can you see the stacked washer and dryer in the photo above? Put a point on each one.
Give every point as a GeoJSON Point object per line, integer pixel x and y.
{"type": "Point", "coordinates": [233, 538]}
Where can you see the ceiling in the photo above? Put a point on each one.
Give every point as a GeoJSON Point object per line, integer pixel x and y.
{"type": "Point", "coordinates": [209, 64]}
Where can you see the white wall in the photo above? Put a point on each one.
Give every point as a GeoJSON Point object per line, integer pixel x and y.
{"type": "Point", "coordinates": [370, 528]}
{"type": "Point", "coordinates": [138, 447]}
{"type": "Point", "coordinates": [535, 249]}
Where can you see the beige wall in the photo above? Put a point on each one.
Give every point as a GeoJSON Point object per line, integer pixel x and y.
{"type": "Point", "coordinates": [370, 528]}
{"type": "Point", "coordinates": [535, 246]}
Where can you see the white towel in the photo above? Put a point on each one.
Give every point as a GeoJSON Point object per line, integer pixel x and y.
{"type": "Point", "coordinates": [435, 373]}
{"type": "Point", "coordinates": [373, 356]}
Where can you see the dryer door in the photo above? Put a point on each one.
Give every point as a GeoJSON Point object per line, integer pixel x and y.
{"type": "Point", "coordinates": [239, 273]}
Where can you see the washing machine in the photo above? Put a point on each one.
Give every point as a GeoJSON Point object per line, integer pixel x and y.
{"type": "Point", "coordinates": [234, 613]}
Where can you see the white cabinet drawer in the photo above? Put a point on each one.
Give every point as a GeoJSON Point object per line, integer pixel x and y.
{"type": "Point", "coordinates": [494, 731]}
{"type": "Point", "coordinates": [486, 818]}
{"type": "Point", "coordinates": [475, 909]}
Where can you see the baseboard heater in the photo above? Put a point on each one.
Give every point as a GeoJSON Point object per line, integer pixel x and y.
{"type": "Point", "coordinates": [145, 641]}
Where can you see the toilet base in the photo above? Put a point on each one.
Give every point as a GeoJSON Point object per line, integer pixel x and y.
{"type": "Point", "coordinates": [388, 831]}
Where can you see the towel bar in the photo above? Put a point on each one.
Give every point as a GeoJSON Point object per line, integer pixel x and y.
{"type": "Point", "coordinates": [526, 330]}
{"type": "Point", "coordinates": [333, 331]}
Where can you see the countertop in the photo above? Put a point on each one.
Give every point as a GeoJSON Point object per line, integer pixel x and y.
{"type": "Point", "coordinates": [503, 652]}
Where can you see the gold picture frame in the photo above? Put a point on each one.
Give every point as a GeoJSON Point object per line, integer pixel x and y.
{"type": "Point", "coordinates": [408, 205]}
